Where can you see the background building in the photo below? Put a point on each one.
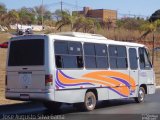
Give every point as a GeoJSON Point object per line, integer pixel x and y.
{"type": "Point", "coordinates": [103, 15]}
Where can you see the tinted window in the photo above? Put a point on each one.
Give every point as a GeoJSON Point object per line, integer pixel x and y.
{"type": "Point", "coordinates": [95, 55]}
{"type": "Point", "coordinates": [75, 48]}
{"type": "Point", "coordinates": [133, 58]}
{"type": "Point", "coordinates": [102, 62]}
{"type": "Point", "coordinates": [26, 53]}
{"type": "Point", "coordinates": [90, 62]}
{"type": "Point", "coordinates": [101, 50]}
{"type": "Point", "coordinates": [89, 49]}
{"type": "Point", "coordinates": [112, 51]}
{"type": "Point", "coordinates": [144, 59]}
{"type": "Point", "coordinates": [122, 63]}
{"type": "Point", "coordinates": [113, 62]}
{"type": "Point", "coordinates": [118, 56]}
{"type": "Point", "coordinates": [69, 62]}
{"type": "Point", "coordinates": [61, 47]}
{"type": "Point", "coordinates": [68, 54]}
{"type": "Point", "coordinates": [121, 51]}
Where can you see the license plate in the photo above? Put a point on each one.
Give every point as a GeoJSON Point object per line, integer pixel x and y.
{"type": "Point", "coordinates": [24, 96]}
{"type": "Point", "coordinates": [25, 78]}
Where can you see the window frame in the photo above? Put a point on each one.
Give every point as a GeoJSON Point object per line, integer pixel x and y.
{"type": "Point", "coordinates": [95, 56]}
{"type": "Point", "coordinates": [147, 55]}
{"type": "Point", "coordinates": [136, 58]}
{"type": "Point", "coordinates": [116, 57]}
{"type": "Point", "coordinates": [62, 68]}
{"type": "Point", "coordinates": [27, 40]}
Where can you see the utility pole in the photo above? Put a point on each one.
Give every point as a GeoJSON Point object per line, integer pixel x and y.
{"type": "Point", "coordinates": [61, 12]}
{"type": "Point", "coordinates": [42, 14]}
{"type": "Point", "coordinates": [153, 46]}
{"type": "Point", "coordinates": [61, 5]}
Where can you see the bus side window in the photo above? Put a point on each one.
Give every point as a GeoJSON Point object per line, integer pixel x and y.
{"type": "Point", "coordinates": [89, 53]}
{"type": "Point", "coordinates": [144, 59]}
{"type": "Point", "coordinates": [101, 56]}
{"type": "Point", "coordinates": [118, 57]}
{"type": "Point", "coordinates": [96, 56]}
{"type": "Point", "coordinates": [75, 49]}
{"type": "Point", "coordinates": [68, 54]}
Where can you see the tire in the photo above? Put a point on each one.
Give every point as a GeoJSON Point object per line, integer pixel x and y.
{"type": "Point", "coordinates": [52, 106]}
{"type": "Point", "coordinates": [89, 102]}
{"type": "Point", "coordinates": [141, 95]}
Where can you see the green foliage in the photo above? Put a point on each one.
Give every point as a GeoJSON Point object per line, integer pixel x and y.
{"type": "Point", "coordinates": [77, 22]}
{"type": "Point", "coordinates": [13, 17]}
{"type": "Point", "coordinates": [47, 15]}
{"type": "Point", "coordinates": [130, 23]}
{"type": "Point", "coordinates": [150, 27]}
{"type": "Point", "coordinates": [26, 15]}
{"type": "Point", "coordinates": [66, 19]}
{"type": "Point", "coordinates": [3, 9]}
{"type": "Point", "coordinates": [3, 12]}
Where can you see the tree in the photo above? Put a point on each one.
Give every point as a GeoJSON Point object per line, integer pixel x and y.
{"type": "Point", "coordinates": [57, 14]}
{"type": "Point", "coordinates": [130, 23]}
{"type": "Point", "coordinates": [155, 16]}
{"type": "Point", "coordinates": [26, 15]}
{"type": "Point", "coordinates": [39, 10]}
{"type": "Point", "coordinates": [3, 9]}
{"type": "Point", "coordinates": [149, 27]}
{"type": "Point", "coordinates": [86, 24]}
{"type": "Point", "coordinates": [3, 12]}
{"type": "Point", "coordinates": [13, 17]}
{"type": "Point", "coordinates": [66, 19]}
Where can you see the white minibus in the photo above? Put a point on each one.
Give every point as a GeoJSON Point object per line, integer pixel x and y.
{"type": "Point", "coordinates": [77, 68]}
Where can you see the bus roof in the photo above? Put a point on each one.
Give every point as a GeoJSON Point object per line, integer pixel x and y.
{"type": "Point", "coordinates": [77, 36]}
{"type": "Point", "coordinates": [96, 38]}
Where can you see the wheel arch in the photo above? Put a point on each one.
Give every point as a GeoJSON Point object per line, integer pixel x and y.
{"type": "Point", "coordinates": [94, 91]}
{"type": "Point", "coordinates": [145, 87]}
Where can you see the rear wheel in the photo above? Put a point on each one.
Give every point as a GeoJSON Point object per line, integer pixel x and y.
{"type": "Point", "coordinates": [141, 95]}
{"type": "Point", "coordinates": [52, 106]}
{"type": "Point", "coordinates": [89, 102]}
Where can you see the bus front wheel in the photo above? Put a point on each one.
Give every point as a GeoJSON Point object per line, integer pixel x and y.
{"type": "Point", "coordinates": [141, 95]}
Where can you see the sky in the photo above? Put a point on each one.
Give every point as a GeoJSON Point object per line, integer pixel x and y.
{"type": "Point", "coordinates": [130, 7]}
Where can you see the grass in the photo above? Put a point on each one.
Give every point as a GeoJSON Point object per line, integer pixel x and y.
{"type": "Point", "coordinates": [110, 34]}
{"type": "Point", "coordinates": [3, 38]}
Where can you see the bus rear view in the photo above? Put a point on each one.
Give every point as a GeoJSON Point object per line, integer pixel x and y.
{"type": "Point", "coordinates": [26, 76]}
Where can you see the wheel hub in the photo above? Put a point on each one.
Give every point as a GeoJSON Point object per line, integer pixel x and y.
{"type": "Point", "coordinates": [90, 102]}
{"type": "Point", "coordinates": [141, 95]}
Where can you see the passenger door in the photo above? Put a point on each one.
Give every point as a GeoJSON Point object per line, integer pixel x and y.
{"type": "Point", "coordinates": [146, 74]}
{"type": "Point", "coordinates": [133, 60]}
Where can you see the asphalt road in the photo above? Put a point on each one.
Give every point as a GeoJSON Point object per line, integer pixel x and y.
{"type": "Point", "coordinates": [108, 110]}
